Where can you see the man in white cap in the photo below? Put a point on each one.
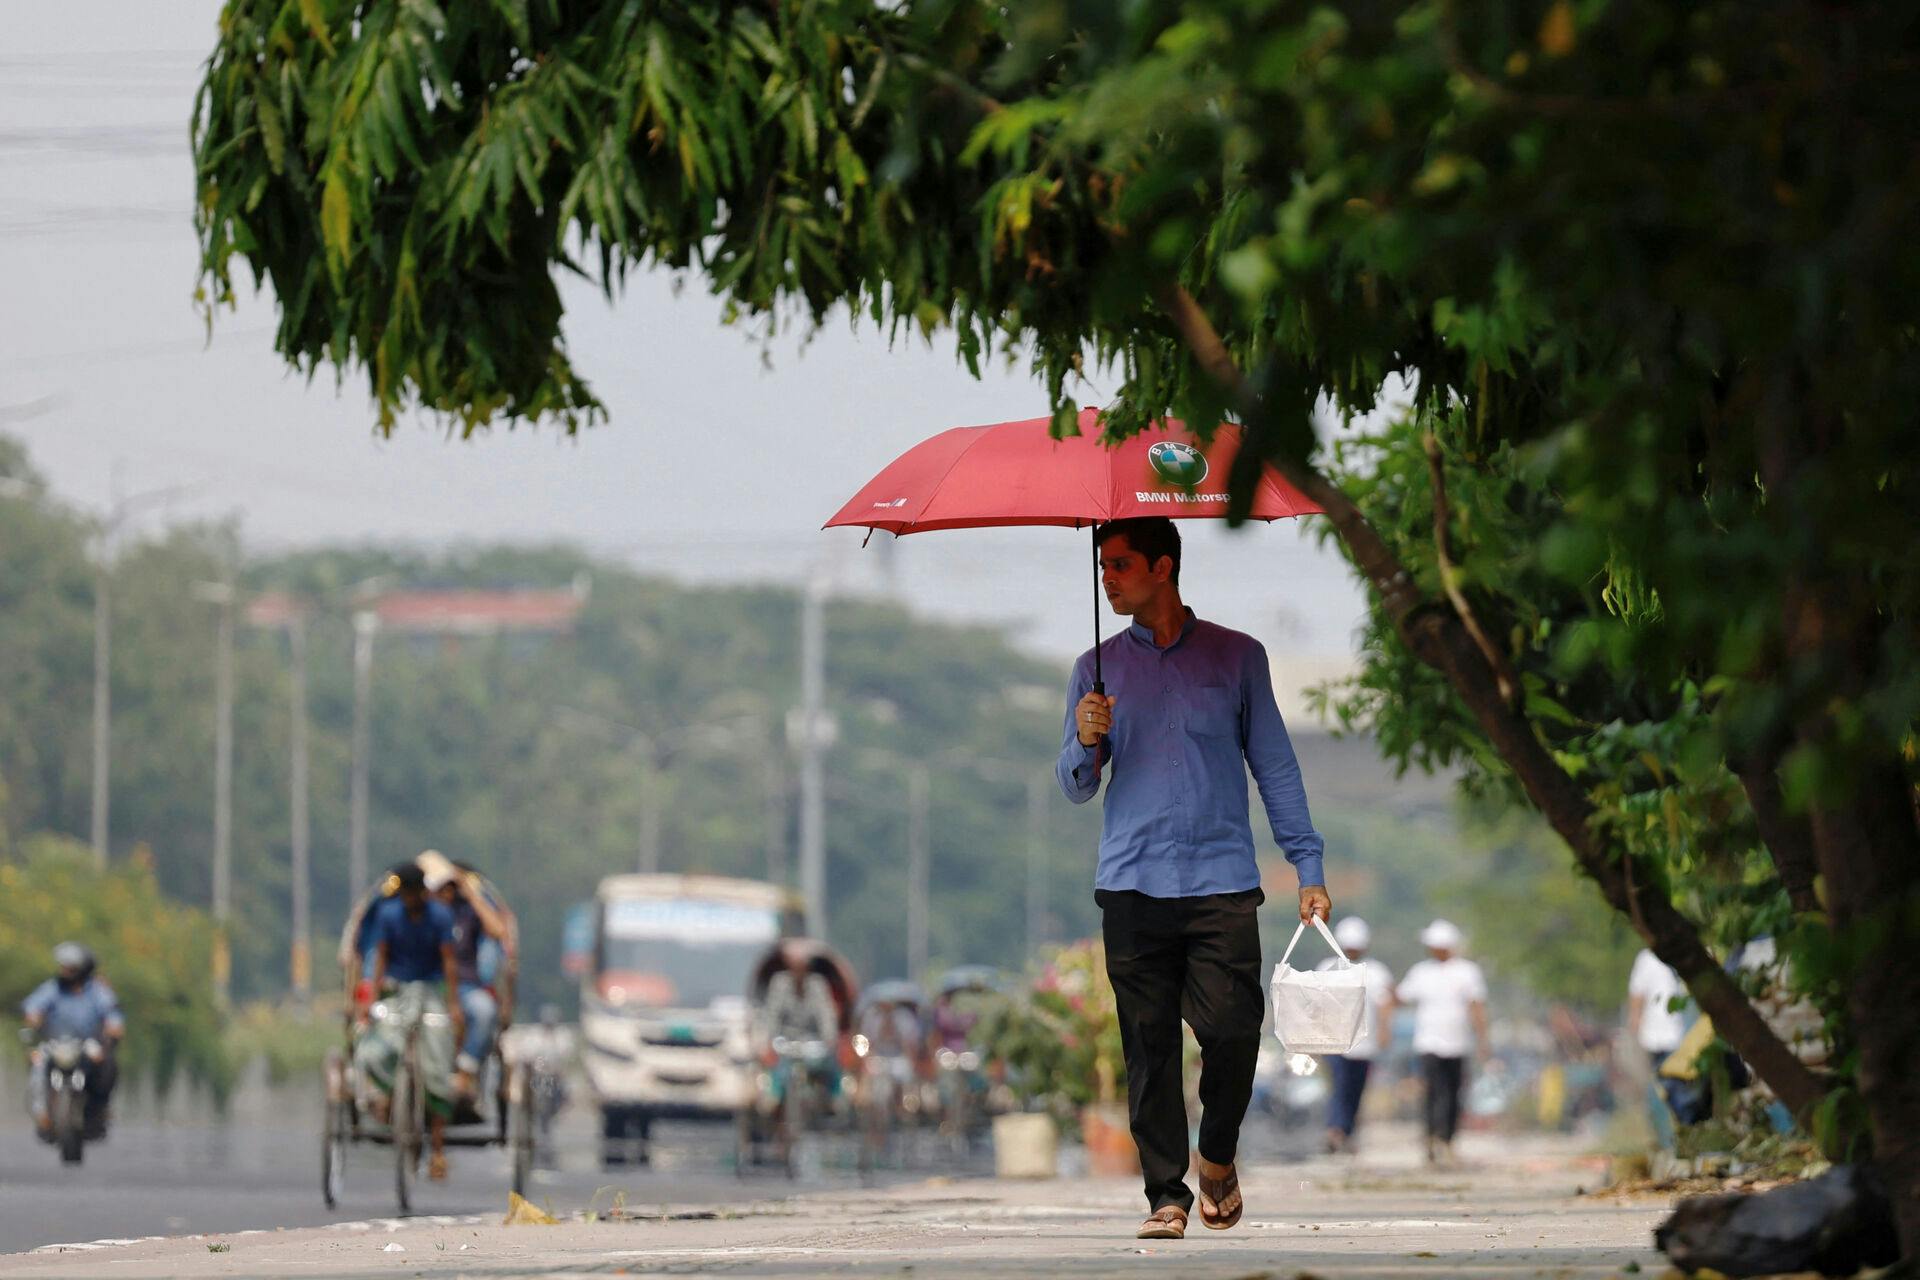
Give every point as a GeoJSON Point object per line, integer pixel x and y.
{"type": "Point", "coordinates": [1449, 998]}
{"type": "Point", "coordinates": [1350, 1069]}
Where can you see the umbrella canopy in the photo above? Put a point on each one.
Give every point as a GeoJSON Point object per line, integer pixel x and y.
{"type": "Point", "coordinates": [1015, 473]}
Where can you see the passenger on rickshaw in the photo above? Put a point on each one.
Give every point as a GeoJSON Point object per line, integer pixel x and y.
{"type": "Point", "coordinates": [411, 937]}
{"type": "Point", "coordinates": [480, 940]}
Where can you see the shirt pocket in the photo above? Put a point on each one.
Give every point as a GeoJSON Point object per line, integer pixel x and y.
{"type": "Point", "coordinates": [1213, 711]}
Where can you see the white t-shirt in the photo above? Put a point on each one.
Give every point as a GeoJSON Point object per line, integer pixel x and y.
{"type": "Point", "coordinates": [1656, 984]}
{"type": "Point", "coordinates": [1379, 982]}
{"type": "Point", "coordinates": [1441, 993]}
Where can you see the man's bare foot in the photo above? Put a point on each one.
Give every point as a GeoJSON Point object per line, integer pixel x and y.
{"type": "Point", "coordinates": [437, 1166]}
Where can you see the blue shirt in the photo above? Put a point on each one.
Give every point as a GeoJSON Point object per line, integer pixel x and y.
{"type": "Point", "coordinates": [413, 946]}
{"type": "Point", "coordinates": [81, 1015]}
{"type": "Point", "coordinates": [1189, 722]}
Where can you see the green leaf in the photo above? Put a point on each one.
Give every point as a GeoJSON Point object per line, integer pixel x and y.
{"type": "Point", "coordinates": [336, 214]}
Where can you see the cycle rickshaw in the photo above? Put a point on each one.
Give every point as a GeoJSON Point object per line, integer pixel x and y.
{"type": "Point", "coordinates": [790, 1092]}
{"type": "Point", "coordinates": [501, 1112]}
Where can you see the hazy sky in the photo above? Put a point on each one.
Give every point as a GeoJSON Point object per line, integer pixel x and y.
{"type": "Point", "coordinates": [97, 269]}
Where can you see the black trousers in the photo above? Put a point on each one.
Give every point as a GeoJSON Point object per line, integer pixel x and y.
{"type": "Point", "coordinates": [1444, 1077]}
{"type": "Point", "coordinates": [1196, 959]}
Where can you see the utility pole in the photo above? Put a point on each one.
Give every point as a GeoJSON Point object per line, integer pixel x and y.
{"type": "Point", "coordinates": [102, 696]}
{"type": "Point", "coordinates": [365, 623]}
{"type": "Point", "coordinates": [1036, 863]}
{"type": "Point", "coordinates": [649, 805]}
{"type": "Point", "coordinates": [919, 869]}
{"type": "Point", "coordinates": [773, 775]}
{"type": "Point", "coordinates": [302, 872]}
{"type": "Point", "coordinates": [221, 596]}
{"type": "Point", "coordinates": [106, 551]}
{"type": "Point", "coordinates": [813, 740]}
{"type": "Point", "coordinates": [282, 611]}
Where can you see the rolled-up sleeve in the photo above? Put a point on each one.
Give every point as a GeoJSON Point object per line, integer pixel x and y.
{"type": "Point", "coordinates": [1276, 770]}
{"type": "Point", "coordinates": [1078, 767]}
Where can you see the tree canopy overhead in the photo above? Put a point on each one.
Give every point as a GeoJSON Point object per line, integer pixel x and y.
{"type": "Point", "coordinates": [1644, 266]}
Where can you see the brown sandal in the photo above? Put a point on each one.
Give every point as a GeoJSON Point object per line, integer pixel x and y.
{"type": "Point", "coordinates": [1214, 1195]}
{"type": "Point", "coordinates": [1168, 1222]}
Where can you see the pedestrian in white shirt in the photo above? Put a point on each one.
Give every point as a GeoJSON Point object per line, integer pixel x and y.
{"type": "Point", "coordinates": [1350, 1069]}
{"type": "Point", "coordinates": [1657, 1028]}
{"type": "Point", "coordinates": [1449, 998]}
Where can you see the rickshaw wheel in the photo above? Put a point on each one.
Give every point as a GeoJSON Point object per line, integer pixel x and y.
{"type": "Point", "coordinates": [521, 1130]}
{"type": "Point", "coordinates": [409, 1119]}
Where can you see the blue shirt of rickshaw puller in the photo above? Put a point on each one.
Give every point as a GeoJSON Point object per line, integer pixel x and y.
{"type": "Point", "coordinates": [413, 945]}
{"type": "Point", "coordinates": [1189, 722]}
{"type": "Point", "coordinates": [82, 1014]}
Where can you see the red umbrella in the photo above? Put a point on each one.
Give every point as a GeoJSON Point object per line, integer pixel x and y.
{"type": "Point", "coordinates": [1017, 473]}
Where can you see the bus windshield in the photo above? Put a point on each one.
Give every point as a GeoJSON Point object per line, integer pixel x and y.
{"type": "Point", "coordinates": [684, 954]}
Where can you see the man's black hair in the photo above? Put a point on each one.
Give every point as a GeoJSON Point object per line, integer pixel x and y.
{"type": "Point", "coordinates": [1151, 536]}
{"type": "Point", "coordinates": [410, 876]}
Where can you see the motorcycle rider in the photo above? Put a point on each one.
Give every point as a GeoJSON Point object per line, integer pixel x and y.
{"type": "Point", "coordinates": [76, 1004]}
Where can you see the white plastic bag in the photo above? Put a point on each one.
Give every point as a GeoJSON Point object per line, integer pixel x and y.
{"type": "Point", "coordinates": [1318, 1012]}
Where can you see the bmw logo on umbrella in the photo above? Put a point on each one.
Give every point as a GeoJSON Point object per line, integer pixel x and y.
{"type": "Point", "coordinates": [1177, 462]}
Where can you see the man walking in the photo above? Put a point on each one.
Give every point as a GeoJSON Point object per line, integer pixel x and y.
{"type": "Point", "coordinates": [1350, 1069]}
{"type": "Point", "coordinates": [1652, 988]}
{"type": "Point", "coordinates": [1449, 998]}
{"type": "Point", "coordinates": [1189, 709]}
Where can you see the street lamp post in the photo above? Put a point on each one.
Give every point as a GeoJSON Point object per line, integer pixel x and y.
{"type": "Point", "coordinates": [813, 739]}
{"type": "Point", "coordinates": [282, 611]}
{"type": "Point", "coordinates": [105, 553]}
{"type": "Point", "coordinates": [1036, 862]}
{"type": "Point", "coordinates": [366, 623]}
{"type": "Point", "coordinates": [919, 869]}
{"type": "Point", "coordinates": [221, 595]}
{"type": "Point", "coordinates": [301, 832]}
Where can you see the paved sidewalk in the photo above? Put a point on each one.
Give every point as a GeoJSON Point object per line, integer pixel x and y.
{"type": "Point", "coordinates": [1510, 1209]}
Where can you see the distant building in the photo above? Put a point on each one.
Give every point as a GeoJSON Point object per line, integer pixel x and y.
{"type": "Point", "coordinates": [440, 618]}
{"type": "Point", "coordinates": [525, 618]}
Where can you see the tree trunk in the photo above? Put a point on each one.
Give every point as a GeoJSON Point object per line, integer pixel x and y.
{"type": "Point", "coordinates": [1869, 852]}
{"type": "Point", "coordinates": [1787, 836]}
{"type": "Point", "coordinates": [1865, 827]}
{"type": "Point", "coordinates": [1866, 840]}
{"type": "Point", "coordinates": [1436, 636]}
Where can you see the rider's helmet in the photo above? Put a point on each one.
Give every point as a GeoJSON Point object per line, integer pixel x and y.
{"type": "Point", "coordinates": [74, 962]}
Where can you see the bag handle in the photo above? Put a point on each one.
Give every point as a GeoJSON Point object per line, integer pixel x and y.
{"type": "Point", "coordinates": [1325, 932]}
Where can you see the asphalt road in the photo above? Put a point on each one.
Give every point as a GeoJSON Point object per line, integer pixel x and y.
{"type": "Point", "coordinates": [151, 1178]}
{"type": "Point", "coordinates": [262, 1170]}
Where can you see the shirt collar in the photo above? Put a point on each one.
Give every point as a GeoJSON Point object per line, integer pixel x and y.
{"type": "Point", "coordinates": [1142, 632]}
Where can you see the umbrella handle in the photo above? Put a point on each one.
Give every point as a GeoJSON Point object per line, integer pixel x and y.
{"type": "Point", "coordinates": [1099, 685]}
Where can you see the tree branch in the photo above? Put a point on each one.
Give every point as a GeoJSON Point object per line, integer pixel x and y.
{"type": "Point", "coordinates": [1436, 635]}
{"type": "Point", "coordinates": [1787, 836]}
{"type": "Point", "coordinates": [1450, 577]}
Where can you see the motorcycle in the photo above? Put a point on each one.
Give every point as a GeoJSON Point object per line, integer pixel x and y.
{"type": "Point", "coordinates": [66, 1062]}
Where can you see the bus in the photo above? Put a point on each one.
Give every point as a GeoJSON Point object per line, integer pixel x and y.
{"type": "Point", "coordinates": [663, 999]}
